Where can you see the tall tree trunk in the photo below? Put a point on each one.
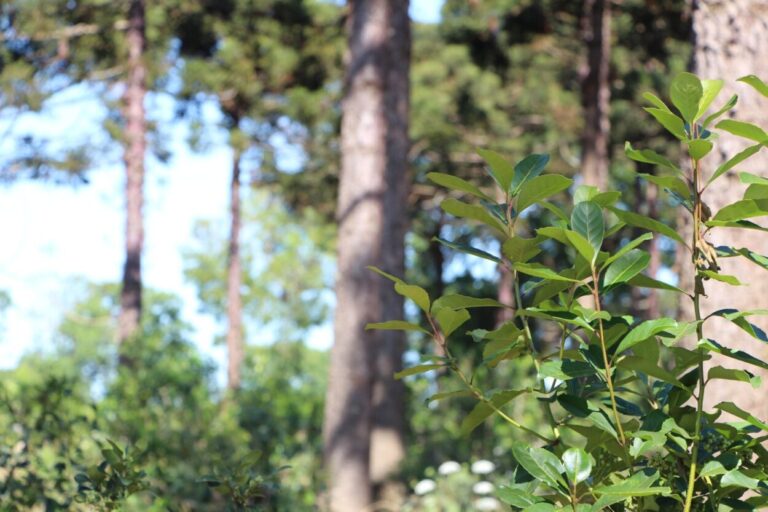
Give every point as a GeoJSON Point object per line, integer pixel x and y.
{"type": "Point", "coordinates": [596, 92]}
{"type": "Point", "coordinates": [234, 281]}
{"type": "Point", "coordinates": [364, 415]}
{"type": "Point", "coordinates": [135, 147]}
{"type": "Point", "coordinates": [731, 40]}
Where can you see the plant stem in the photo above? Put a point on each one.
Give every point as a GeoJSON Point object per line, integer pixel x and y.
{"type": "Point", "coordinates": [697, 292]}
{"type": "Point", "coordinates": [606, 361]}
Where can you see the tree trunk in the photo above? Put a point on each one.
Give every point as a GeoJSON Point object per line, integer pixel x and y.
{"type": "Point", "coordinates": [364, 416]}
{"type": "Point", "coordinates": [596, 92]}
{"type": "Point", "coordinates": [731, 40]}
{"type": "Point", "coordinates": [234, 282]}
{"type": "Point", "coordinates": [135, 147]}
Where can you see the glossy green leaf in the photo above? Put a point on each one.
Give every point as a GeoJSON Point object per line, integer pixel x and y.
{"type": "Point", "coordinates": [758, 259]}
{"type": "Point", "coordinates": [538, 270]}
{"type": "Point", "coordinates": [443, 395]}
{"type": "Point", "coordinates": [457, 301]}
{"type": "Point", "coordinates": [740, 413]}
{"type": "Point", "coordinates": [519, 249]}
{"type": "Point", "coordinates": [718, 372]}
{"type": "Point", "coordinates": [539, 188]}
{"type": "Point", "coordinates": [518, 496]}
{"type": "Point", "coordinates": [641, 221]}
{"type": "Point", "coordinates": [750, 178]}
{"type": "Point", "coordinates": [671, 183]}
{"type": "Point", "coordinates": [686, 92]}
{"type": "Point", "coordinates": [566, 370]}
{"type": "Point", "coordinates": [451, 319]}
{"type": "Point", "coordinates": [734, 161]}
{"type": "Point", "coordinates": [392, 278]}
{"type": "Point", "coordinates": [643, 281]}
{"type": "Point", "coordinates": [501, 170]}
{"type": "Point", "coordinates": [527, 169]}
{"type": "Point", "coordinates": [650, 368]}
{"type": "Point", "coordinates": [416, 293]}
{"type": "Point", "coordinates": [470, 211]}
{"type": "Point", "coordinates": [468, 250]}
{"type": "Point", "coordinates": [648, 156]}
{"type": "Point", "coordinates": [725, 108]}
{"type": "Point", "coordinates": [587, 220]}
{"type": "Point", "coordinates": [670, 121]}
{"type": "Point", "coordinates": [742, 129]}
{"type": "Point", "coordinates": [418, 369]}
{"type": "Point", "coordinates": [737, 478]}
{"type": "Point", "coordinates": [711, 88]}
{"type": "Point", "coordinates": [639, 484]}
{"type": "Point", "coordinates": [626, 267]}
{"type": "Point", "coordinates": [756, 83]}
{"type": "Point", "coordinates": [628, 247]}
{"type": "Point", "coordinates": [456, 183]}
{"type": "Point", "coordinates": [699, 148]}
{"type": "Point", "coordinates": [712, 468]}
{"type": "Point", "coordinates": [756, 191]}
{"type": "Point", "coordinates": [744, 209]}
{"type": "Point", "coordinates": [656, 101]}
{"type": "Point", "coordinates": [484, 409]}
{"type": "Point", "coordinates": [644, 331]}
{"type": "Point", "coordinates": [739, 355]}
{"type": "Point", "coordinates": [541, 464]}
{"type": "Point", "coordinates": [396, 325]}
{"type": "Point", "coordinates": [723, 278]}
{"type": "Point", "coordinates": [739, 318]}
{"type": "Point", "coordinates": [577, 464]}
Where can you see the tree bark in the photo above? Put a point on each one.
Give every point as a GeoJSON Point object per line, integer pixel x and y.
{"type": "Point", "coordinates": [596, 93]}
{"type": "Point", "coordinates": [135, 148]}
{"type": "Point", "coordinates": [731, 40]}
{"type": "Point", "coordinates": [364, 415]}
{"type": "Point", "coordinates": [234, 282]}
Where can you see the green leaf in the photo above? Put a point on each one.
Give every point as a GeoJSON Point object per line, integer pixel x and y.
{"type": "Point", "coordinates": [755, 83]}
{"type": "Point", "coordinates": [742, 129]}
{"type": "Point", "coordinates": [734, 161]}
{"type": "Point", "coordinates": [518, 496]}
{"type": "Point", "coordinates": [628, 247]}
{"type": "Point", "coordinates": [686, 92]}
{"type": "Point", "coordinates": [416, 293]}
{"type": "Point", "coordinates": [648, 156]}
{"type": "Point", "coordinates": [626, 267]}
{"type": "Point", "coordinates": [712, 468]}
{"type": "Point", "coordinates": [711, 89]}
{"type": "Point", "coordinates": [415, 370]}
{"type": "Point", "coordinates": [395, 325]}
{"type": "Point", "coordinates": [750, 178]}
{"type": "Point", "coordinates": [643, 281]}
{"type": "Point", "coordinates": [566, 370]}
{"type": "Point", "coordinates": [449, 394]}
{"type": "Point", "coordinates": [758, 259]}
{"type": "Point", "coordinates": [458, 301]}
{"type": "Point", "coordinates": [501, 170]}
{"type": "Point", "coordinates": [587, 220]}
{"type": "Point", "coordinates": [451, 319]}
{"type": "Point", "coordinates": [650, 368]}
{"type": "Point", "coordinates": [468, 250]}
{"type": "Point", "coordinates": [540, 187]}
{"type": "Point", "coordinates": [756, 191]}
{"type": "Point", "coordinates": [519, 250]}
{"type": "Point", "coordinates": [456, 183]}
{"type": "Point", "coordinates": [736, 478]}
{"type": "Point", "coordinates": [538, 270]}
{"type": "Point", "coordinates": [470, 211]}
{"type": "Point", "coordinates": [526, 169]}
{"type": "Point", "coordinates": [670, 121]}
{"type": "Point", "coordinates": [718, 372]}
{"type": "Point", "coordinates": [699, 148]}
{"type": "Point", "coordinates": [725, 108]}
{"type": "Point", "coordinates": [723, 278]}
{"type": "Point", "coordinates": [672, 183]}
{"type": "Point", "coordinates": [744, 209]}
{"type": "Point", "coordinates": [639, 484]}
{"type": "Point", "coordinates": [484, 409]}
{"type": "Point", "coordinates": [734, 409]}
{"type": "Point", "coordinates": [739, 355]}
{"type": "Point", "coordinates": [577, 464]}
{"type": "Point", "coordinates": [641, 221]}
{"type": "Point", "coordinates": [644, 331]}
{"type": "Point", "coordinates": [384, 274]}
{"type": "Point", "coordinates": [541, 464]}
{"type": "Point", "coordinates": [739, 318]}
{"type": "Point", "coordinates": [656, 101]}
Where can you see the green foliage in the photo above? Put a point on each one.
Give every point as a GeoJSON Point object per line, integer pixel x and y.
{"type": "Point", "coordinates": [621, 431]}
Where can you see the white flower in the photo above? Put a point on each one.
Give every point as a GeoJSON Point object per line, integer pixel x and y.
{"type": "Point", "coordinates": [483, 467]}
{"type": "Point", "coordinates": [483, 488]}
{"type": "Point", "coordinates": [424, 487]}
{"type": "Point", "coordinates": [550, 383]}
{"type": "Point", "coordinates": [448, 468]}
{"type": "Point", "coordinates": [487, 503]}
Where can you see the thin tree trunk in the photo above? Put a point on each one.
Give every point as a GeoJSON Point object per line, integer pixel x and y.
{"type": "Point", "coordinates": [505, 295]}
{"type": "Point", "coordinates": [135, 148]}
{"type": "Point", "coordinates": [731, 40]}
{"type": "Point", "coordinates": [364, 415]}
{"type": "Point", "coordinates": [596, 92]}
{"type": "Point", "coordinates": [234, 282]}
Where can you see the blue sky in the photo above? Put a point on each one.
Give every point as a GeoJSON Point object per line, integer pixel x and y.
{"type": "Point", "coordinates": [56, 236]}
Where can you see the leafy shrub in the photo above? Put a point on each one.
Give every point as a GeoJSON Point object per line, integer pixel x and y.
{"type": "Point", "coordinates": [624, 399]}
